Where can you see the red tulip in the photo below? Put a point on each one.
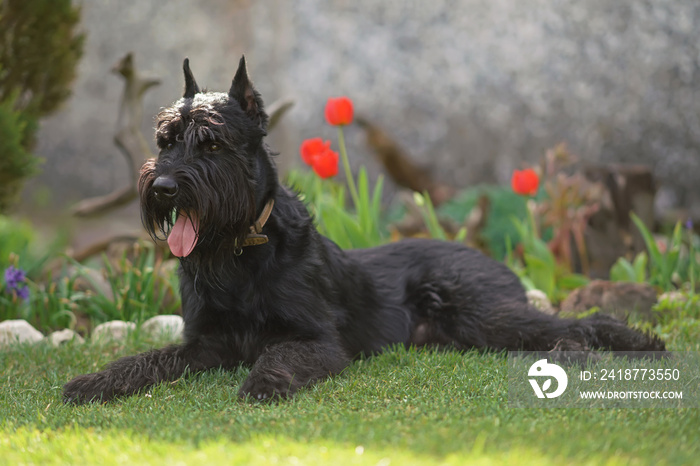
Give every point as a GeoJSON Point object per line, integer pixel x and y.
{"type": "Point", "coordinates": [339, 111]}
{"type": "Point", "coordinates": [326, 164]}
{"type": "Point", "coordinates": [525, 182]}
{"type": "Point", "coordinates": [311, 148]}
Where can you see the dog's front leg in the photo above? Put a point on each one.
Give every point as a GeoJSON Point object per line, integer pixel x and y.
{"type": "Point", "coordinates": [128, 375]}
{"type": "Point", "coordinates": [285, 367]}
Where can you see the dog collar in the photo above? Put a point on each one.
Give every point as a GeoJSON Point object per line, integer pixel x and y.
{"type": "Point", "coordinates": [255, 237]}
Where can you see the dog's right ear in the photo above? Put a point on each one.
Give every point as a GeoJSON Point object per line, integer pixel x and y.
{"type": "Point", "coordinates": [243, 92]}
{"type": "Point", "coordinates": [191, 87]}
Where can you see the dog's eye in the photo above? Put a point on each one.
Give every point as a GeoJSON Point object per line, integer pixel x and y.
{"type": "Point", "coordinates": [164, 144]}
{"type": "Point", "coordinates": [213, 147]}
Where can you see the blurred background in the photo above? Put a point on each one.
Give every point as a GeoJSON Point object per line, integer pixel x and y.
{"type": "Point", "coordinates": [468, 90]}
{"type": "Point", "coordinates": [601, 98]}
{"type": "Point", "coordinates": [471, 89]}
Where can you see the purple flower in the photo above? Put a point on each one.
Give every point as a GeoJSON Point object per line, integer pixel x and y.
{"type": "Point", "coordinates": [14, 279]}
{"type": "Point", "coordinates": [14, 276]}
{"type": "Point", "coordinates": [22, 292]}
{"type": "Point", "coordinates": [689, 223]}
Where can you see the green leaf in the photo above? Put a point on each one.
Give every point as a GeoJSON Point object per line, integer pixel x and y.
{"type": "Point", "coordinates": [461, 235]}
{"type": "Point", "coordinates": [676, 239]}
{"type": "Point", "coordinates": [377, 205]}
{"type": "Point", "coordinates": [623, 271]}
{"type": "Point", "coordinates": [363, 210]}
{"type": "Point", "coordinates": [527, 283]}
{"type": "Point", "coordinates": [572, 281]}
{"type": "Point", "coordinates": [654, 253]}
{"type": "Point", "coordinates": [640, 267]}
{"type": "Point", "coordinates": [418, 199]}
{"type": "Point", "coordinates": [431, 221]}
{"type": "Point", "coordinates": [541, 273]}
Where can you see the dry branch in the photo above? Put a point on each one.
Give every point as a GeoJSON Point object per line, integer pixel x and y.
{"type": "Point", "coordinates": [128, 139]}
{"type": "Point", "coordinates": [399, 165]}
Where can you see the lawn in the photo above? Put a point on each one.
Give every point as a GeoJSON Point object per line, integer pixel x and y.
{"type": "Point", "coordinates": [403, 407]}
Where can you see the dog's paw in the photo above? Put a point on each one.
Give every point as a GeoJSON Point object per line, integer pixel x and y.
{"type": "Point", "coordinates": [89, 388]}
{"type": "Point", "coordinates": [263, 387]}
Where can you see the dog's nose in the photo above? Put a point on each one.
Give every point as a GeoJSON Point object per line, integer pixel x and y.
{"type": "Point", "coordinates": [165, 186]}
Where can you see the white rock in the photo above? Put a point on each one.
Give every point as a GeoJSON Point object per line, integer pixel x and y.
{"type": "Point", "coordinates": [113, 330]}
{"type": "Point", "coordinates": [18, 331]}
{"type": "Point", "coordinates": [539, 300]}
{"type": "Point", "coordinates": [171, 326]}
{"type": "Point", "coordinates": [674, 297]}
{"type": "Point", "coordinates": [64, 336]}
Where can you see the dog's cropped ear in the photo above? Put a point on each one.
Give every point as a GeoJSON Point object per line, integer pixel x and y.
{"type": "Point", "coordinates": [243, 92]}
{"type": "Point", "coordinates": [191, 87]}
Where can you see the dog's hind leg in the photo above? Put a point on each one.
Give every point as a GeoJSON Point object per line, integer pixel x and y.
{"type": "Point", "coordinates": [285, 367]}
{"type": "Point", "coordinates": [128, 375]}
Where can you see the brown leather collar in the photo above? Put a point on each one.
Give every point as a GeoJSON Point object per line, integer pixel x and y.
{"type": "Point", "coordinates": [255, 237]}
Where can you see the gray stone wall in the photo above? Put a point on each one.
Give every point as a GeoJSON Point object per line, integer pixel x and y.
{"type": "Point", "coordinates": [472, 88]}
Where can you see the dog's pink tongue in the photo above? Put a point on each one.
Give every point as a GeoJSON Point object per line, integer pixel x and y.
{"type": "Point", "coordinates": [183, 236]}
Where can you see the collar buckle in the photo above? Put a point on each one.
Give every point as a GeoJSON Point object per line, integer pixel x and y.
{"type": "Point", "coordinates": [255, 237]}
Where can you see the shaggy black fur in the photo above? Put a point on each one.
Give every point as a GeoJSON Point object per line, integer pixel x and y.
{"type": "Point", "coordinates": [298, 308]}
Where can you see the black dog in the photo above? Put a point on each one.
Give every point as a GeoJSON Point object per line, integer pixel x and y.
{"type": "Point", "coordinates": [261, 287]}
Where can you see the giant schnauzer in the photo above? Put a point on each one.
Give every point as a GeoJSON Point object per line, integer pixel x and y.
{"type": "Point", "coordinates": [261, 287]}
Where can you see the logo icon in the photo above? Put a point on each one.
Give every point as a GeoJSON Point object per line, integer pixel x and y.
{"type": "Point", "coordinates": [542, 368]}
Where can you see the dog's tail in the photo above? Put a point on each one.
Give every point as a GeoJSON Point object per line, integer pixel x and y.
{"type": "Point", "coordinates": [597, 331]}
{"type": "Point", "coordinates": [519, 326]}
{"type": "Point", "coordinates": [605, 332]}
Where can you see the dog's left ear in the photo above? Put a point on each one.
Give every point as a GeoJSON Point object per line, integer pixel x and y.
{"type": "Point", "coordinates": [243, 92]}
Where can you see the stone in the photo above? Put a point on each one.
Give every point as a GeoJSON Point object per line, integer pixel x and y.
{"type": "Point", "coordinates": [170, 326]}
{"type": "Point", "coordinates": [618, 299]}
{"type": "Point", "coordinates": [539, 300]}
{"type": "Point", "coordinates": [18, 331]}
{"type": "Point", "coordinates": [675, 297]}
{"type": "Point", "coordinates": [113, 330]}
{"type": "Point", "coordinates": [64, 336]}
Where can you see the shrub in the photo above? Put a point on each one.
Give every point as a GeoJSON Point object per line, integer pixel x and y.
{"type": "Point", "coordinates": [16, 162]}
{"type": "Point", "coordinates": [39, 51]}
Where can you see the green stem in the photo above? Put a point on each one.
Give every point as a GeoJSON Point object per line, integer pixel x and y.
{"type": "Point", "coordinates": [531, 217]}
{"type": "Point", "coordinates": [346, 167]}
{"type": "Point", "coordinates": [692, 263]}
{"type": "Point", "coordinates": [318, 192]}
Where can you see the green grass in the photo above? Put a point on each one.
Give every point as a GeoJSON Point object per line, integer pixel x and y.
{"type": "Point", "coordinates": [403, 407]}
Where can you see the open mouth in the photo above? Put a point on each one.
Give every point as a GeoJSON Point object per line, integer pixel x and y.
{"type": "Point", "coordinates": [183, 234]}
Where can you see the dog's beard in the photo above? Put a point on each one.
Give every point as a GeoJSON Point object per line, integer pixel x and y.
{"type": "Point", "coordinates": [186, 229]}
{"type": "Point", "coordinates": [202, 217]}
